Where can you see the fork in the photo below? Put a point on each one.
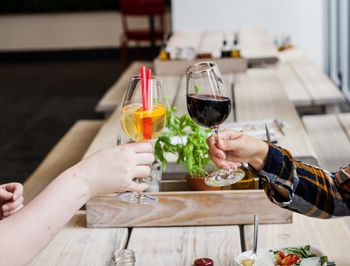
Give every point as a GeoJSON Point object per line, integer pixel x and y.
{"type": "Point", "coordinates": [268, 137]}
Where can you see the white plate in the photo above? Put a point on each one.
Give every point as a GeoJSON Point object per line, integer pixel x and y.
{"type": "Point", "coordinates": [256, 128]}
{"type": "Point", "coordinates": [247, 254]}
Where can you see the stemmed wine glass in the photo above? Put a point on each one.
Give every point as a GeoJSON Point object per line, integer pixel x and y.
{"type": "Point", "coordinates": [142, 119]}
{"type": "Point", "coordinates": [209, 104]}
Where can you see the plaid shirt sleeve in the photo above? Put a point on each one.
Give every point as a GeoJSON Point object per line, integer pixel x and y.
{"type": "Point", "coordinates": [303, 188]}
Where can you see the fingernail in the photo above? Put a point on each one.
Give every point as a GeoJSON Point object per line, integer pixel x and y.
{"type": "Point", "coordinates": [219, 142]}
{"type": "Point", "coordinates": [225, 166]}
{"type": "Point", "coordinates": [5, 208]}
{"type": "Point", "coordinates": [15, 196]}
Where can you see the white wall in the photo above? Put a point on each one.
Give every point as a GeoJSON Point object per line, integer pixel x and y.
{"type": "Point", "coordinates": [301, 19]}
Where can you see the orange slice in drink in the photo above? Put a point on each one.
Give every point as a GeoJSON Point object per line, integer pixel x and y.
{"type": "Point", "coordinates": [149, 121]}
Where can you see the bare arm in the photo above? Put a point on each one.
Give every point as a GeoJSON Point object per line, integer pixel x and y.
{"type": "Point", "coordinates": [27, 232]}
{"type": "Point", "coordinates": [24, 234]}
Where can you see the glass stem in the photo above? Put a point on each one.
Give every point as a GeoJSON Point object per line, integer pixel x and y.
{"type": "Point", "coordinates": [139, 195]}
{"type": "Point", "coordinates": [215, 131]}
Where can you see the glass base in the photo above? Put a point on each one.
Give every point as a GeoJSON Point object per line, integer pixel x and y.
{"type": "Point", "coordinates": [136, 198]}
{"type": "Point", "coordinates": [224, 177]}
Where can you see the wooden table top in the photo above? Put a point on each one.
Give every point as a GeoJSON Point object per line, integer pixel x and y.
{"type": "Point", "coordinates": [77, 245]}
{"type": "Point", "coordinates": [331, 237]}
{"type": "Point", "coordinates": [256, 45]}
{"type": "Point", "coordinates": [258, 95]}
{"type": "Point", "coordinates": [178, 246]}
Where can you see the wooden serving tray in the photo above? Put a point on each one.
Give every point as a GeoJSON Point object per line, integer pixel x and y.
{"type": "Point", "coordinates": [179, 207]}
{"type": "Point", "coordinates": [179, 67]}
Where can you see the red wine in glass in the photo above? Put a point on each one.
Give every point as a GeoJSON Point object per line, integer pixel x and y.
{"type": "Point", "coordinates": [209, 105]}
{"type": "Point", "coordinates": [208, 110]}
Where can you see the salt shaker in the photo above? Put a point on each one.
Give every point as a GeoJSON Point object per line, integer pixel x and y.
{"type": "Point", "coordinates": [125, 257]}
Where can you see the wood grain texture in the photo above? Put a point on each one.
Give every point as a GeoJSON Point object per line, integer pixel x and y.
{"type": "Point", "coordinates": [178, 67]}
{"type": "Point", "coordinates": [294, 88]}
{"type": "Point", "coordinates": [259, 94]}
{"type": "Point", "coordinates": [114, 95]}
{"type": "Point", "coordinates": [186, 208]}
{"type": "Point", "coordinates": [80, 246]}
{"type": "Point", "coordinates": [257, 46]}
{"type": "Point", "coordinates": [331, 237]}
{"type": "Point", "coordinates": [178, 246]}
{"type": "Point", "coordinates": [67, 152]}
{"type": "Point", "coordinates": [319, 86]}
{"type": "Point", "coordinates": [344, 120]}
{"type": "Point", "coordinates": [331, 143]}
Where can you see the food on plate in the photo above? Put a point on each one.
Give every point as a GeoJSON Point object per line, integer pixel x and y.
{"type": "Point", "coordinates": [298, 256]}
{"type": "Point", "coordinates": [292, 256]}
{"type": "Point", "coordinates": [247, 262]}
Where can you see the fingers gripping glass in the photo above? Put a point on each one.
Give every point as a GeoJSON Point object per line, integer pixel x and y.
{"type": "Point", "coordinates": [209, 104]}
{"type": "Point", "coordinates": [142, 123]}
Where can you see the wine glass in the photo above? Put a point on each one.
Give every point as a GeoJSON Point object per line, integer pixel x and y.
{"type": "Point", "coordinates": [209, 104]}
{"type": "Point", "coordinates": [142, 124]}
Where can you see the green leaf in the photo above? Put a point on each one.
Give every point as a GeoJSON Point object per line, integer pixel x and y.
{"type": "Point", "coordinates": [193, 154]}
{"type": "Point", "coordinates": [323, 259]}
{"type": "Point", "coordinates": [197, 88]}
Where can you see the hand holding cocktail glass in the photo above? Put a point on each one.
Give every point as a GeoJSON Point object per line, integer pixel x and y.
{"type": "Point", "coordinates": [143, 118]}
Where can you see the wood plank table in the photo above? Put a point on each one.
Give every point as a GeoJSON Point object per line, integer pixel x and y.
{"type": "Point", "coordinates": [256, 45]}
{"type": "Point", "coordinates": [114, 94]}
{"type": "Point", "coordinates": [180, 246]}
{"type": "Point", "coordinates": [331, 237]}
{"type": "Point", "coordinates": [80, 246]}
{"type": "Point", "coordinates": [259, 95]}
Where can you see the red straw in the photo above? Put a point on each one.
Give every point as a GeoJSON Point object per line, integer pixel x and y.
{"type": "Point", "coordinates": [148, 78]}
{"type": "Point", "coordinates": [147, 124]}
{"type": "Point", "coordinates": [144, 87]}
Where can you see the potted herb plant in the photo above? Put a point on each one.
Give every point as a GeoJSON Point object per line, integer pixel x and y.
{"type": "Point", "coordinates": [190, 148]}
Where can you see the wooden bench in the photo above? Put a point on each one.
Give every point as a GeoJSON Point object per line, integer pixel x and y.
{"type": "Point", "coordinates": [67, 152]}
{"type": "Point", "coordinates": [307, 86]}
{"type": "Point", "coordinates": [113, 96]}
{"type": "Point", "coordinates": [329, 135]}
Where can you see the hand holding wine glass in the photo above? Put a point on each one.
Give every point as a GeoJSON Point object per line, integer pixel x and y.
{"type": "Point", "coordinates": [209, 104]}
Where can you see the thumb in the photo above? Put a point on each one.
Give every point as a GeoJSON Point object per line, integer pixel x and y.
{"type": "Point", "coordinates": [230, 134]}
{"type": "Point", "coordinates": [228, 140]}
{"type": "Point", "coordinates": [5, 195]}
{"type": "Point", "coordinates": [138, 187]}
